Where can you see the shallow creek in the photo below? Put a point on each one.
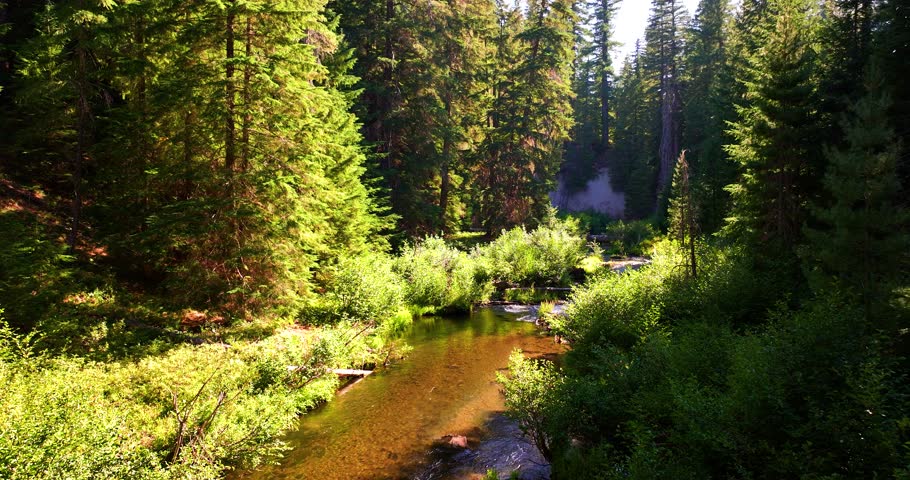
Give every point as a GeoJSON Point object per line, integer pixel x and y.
{"type": "Point", "coordinates": [394, 424]}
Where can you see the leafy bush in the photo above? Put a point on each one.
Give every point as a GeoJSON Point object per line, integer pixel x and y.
{"type": "Point", "coordinates": [678, 377]}
{"type": "Point", "coordinates": [532, 395]}
{"type": "Point", "coordinates": [362, 288]}
{"type": "Point", "coordinates": [437, 275]}
{"type": "Point", "coordinates": [590, 221]}
{"type": "Point", "coordinates": [630, 238]}
{"type": "Point", "coordinates": [619, 309]}
{"type": "Point", "coordinates": [544, 256]}
{"type": "Point", "coordinates": [35, 270]}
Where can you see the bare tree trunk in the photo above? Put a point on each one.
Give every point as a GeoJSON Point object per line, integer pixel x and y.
{"type": "Point", "coordinates": [83, 117]}
{"type": "Point", "coordinates": [247, 111]}
{"type": "Point", "coordinates": [669, 143]}
{"type": "Point", "coordinates": [230, 127]}
{"type": "Point", "coordinates": [605, 76]}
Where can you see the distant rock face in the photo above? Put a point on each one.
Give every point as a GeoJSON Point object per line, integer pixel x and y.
{"type": "Point", "coordinates": [598, 196]}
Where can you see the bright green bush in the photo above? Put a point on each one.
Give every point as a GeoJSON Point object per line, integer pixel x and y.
{"type": "Point", "coordinates": [532, 390]}
{"type": "Point", "coordinates": [620, 309]}
{"type": "Point", "coordinates": [437, 275]}
{"type": "Point", "coordinates": [57, 423]}
{"type": "Point", "coordinates": [363, 288]}
{"type": "Point", "coordinates": [545, 256]}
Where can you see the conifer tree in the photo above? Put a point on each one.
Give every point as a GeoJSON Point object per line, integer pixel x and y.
{"type": "Point", "coordinates": [892, 46]}
{"type": "Point", "coordinates": [683, 213]}
{"type": "Point", "coordinates": [634, 165]}
{"type": "Point", "coordinates": [861, 243]}
{"type": "Point", "coordinates": [776, 132]}
{"type": "Point", "coordinates": [663, 49]}
{"type": "Point", "coordinates": [63, 87]}
{"type": "Point", "coordinates": [707, 108]}
{"type": "Point", "coordinates": [603, 13]}
{"type": "Point", "coordinates": [532, 115]}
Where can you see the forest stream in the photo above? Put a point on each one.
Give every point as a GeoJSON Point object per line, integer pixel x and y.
{"type": "Point", "coordinates": [404, 421]}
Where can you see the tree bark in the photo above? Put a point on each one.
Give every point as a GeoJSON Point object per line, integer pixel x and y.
{"type": "Point", "coordinates": [247, 111]}
{"type": "Point", "coordinates": [229, 90]}
{"type": "Point", "coordinates": [83, 117]}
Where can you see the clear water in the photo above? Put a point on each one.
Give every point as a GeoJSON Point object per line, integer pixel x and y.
{"type": "Point", "coordinates": [390, 425]}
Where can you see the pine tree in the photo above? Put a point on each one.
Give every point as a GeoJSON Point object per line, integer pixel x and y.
{"type": "Point", "coordinates": [664, 48]}
{"type": "Point", "coordinates": [634, 166]}
{"type": "Point", "coordinates": [603, 13]}
{"type": "Point", "coordinates": [230, 159]}
{"type": "Point", "coordinates": [683, 213]}
{"type": "Point", "coordinates": [776, 133]}
{"type": "Point", "coordinates": [892, 46]}
{"type": "Point", "coordinates": [532, 117]}
{"type": "Point", "coordinates": [707, 108]}
{"type": "Point", "coordinates": [862, 244]}
{"type": "Point", "coordinates": [63, 88]}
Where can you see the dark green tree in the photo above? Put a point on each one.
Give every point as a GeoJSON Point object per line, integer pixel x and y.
{"type": "Point", "coordinates": [532, 116]}
{"type": "Point", "coordinates": [776, 132]}
{"type": "Point", "coordinates": [707, 107]}
{"type": "Point", "coordinates": [664, 47]}
{"type": "Point", "coordinates": [634, 163]}
{"type": "Point", "coordinates": [862, 244]}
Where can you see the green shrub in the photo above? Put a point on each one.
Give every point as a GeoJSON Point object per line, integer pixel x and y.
{"type": "Point", "coordinates": [590, 221]}
{"type": "Point", "coordinates": [620, 309]}
{"type": "Point", "coordinates": [35, 270]}
{"type": "Point", "coordinates": [361, 289]}
{"type": "Point", "coordinates": [438, 276]}
{"type": "Point", "coordinates": [630, 238]}
{"type": "Point", "coordinates": [545, 256]}
{"type": "Point", "coordinates": [532, 390]}
{"type": "Point", "coordinates": [678, 377]}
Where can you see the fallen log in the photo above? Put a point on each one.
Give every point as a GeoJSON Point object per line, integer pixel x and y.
{"type": "Point", "coordinates": [341, 372]}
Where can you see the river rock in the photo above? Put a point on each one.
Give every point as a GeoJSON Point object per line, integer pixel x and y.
{"type": "Point", "coordinates": [458, 441]}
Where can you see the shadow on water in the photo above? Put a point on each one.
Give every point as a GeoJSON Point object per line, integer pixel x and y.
{"type": "Point", "coordinates": [392, 424]}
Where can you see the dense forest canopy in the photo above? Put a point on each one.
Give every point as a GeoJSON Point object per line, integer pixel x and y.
{"type": "Point", "coordinates": [175, 171]}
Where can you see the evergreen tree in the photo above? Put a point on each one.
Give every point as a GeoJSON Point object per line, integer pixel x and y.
{"type": "Point", "coordinates": [229, 159]}
{"type": "Point", "coordinates": [706, 109]}
{"type": "Point", "coordinates": [862, 243]}
{"type": "Point", "coordinates": [532, 117]}
{"type": "Point", "coordinates": [604, 11]}
{"type": "Point", "coordinates": [683, 213]}
{"type": "Point", "coordinates": [63, 87]}
{"type": "Point", "coordinates": [776, 132]}
{"type": "Point", "coordinates": [634, 166]}
{"type": "Point", "coordinates": [663, 50]}
{"type": "Point", "coordinates": [892, 50]}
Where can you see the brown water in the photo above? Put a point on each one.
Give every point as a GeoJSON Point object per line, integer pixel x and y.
{"type": "Point", "coordinates": [390, 425]}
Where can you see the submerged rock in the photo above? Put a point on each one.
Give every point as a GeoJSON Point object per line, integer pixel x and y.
{"type": "Point", "coordinates": [501, 447]}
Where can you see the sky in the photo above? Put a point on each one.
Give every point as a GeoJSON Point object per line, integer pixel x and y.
{"type": "Point", "coordinates": [630, 23]}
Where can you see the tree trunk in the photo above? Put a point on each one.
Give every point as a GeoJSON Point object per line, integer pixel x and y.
{"type": "Point", "coordinates": [669, 143]}
{"type": "Point", "coordinates": [83, 117]}
{"type": "Point", "coordinates": [605, 63]}
{"type": "Point", "coordinates": [247, 111]}
{"type": "Point", "coordinates": [230, 127]}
